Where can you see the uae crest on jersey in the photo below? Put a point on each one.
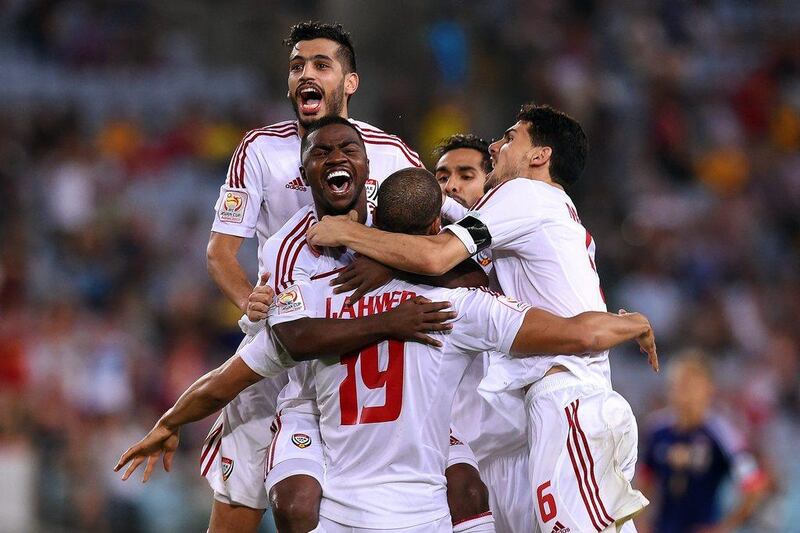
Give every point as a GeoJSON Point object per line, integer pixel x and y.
{"type": "Point", "coordinates": [301, 440]}
{"type": "Point", "coordinates": [371, 186]}
{"type": "Point", "coordinates": [227, 468]}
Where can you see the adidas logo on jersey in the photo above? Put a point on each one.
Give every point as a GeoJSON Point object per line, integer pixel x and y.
{"type": "Point", "coordinates": [560, 528]}
{"type": "Point", "coordinates": [297, 184]}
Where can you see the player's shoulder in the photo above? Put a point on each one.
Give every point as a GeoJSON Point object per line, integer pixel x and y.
{"type": "Point", "coordinates": [381, 143]}
{"type": "Point", "coordinates": [290, 235]}
{"type": "Point", "coordinates": [724, 433]}
{"type": "Point", "coordinates": [660, 422]}
{"type": "Point", "coordinates": [275, 135]}
{"type": "Point", "coordinates": [527, 197]}
{"type": "Point", "coordinates": [276, 140]}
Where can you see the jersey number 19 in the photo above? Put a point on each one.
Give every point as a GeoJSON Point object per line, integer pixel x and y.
{"type": "Point", "coordinates": [391, 379]}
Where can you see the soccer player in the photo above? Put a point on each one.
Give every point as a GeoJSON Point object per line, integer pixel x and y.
{"type": "Point", "coordinates": [462, 166]}
{"type": "Point", "coordinates": [332, 154]}
{"type": "Point", "coordinates": [690, 451]}
{"type": "Point", "coordinates": [583, 435]}
{"type": "Point", "coordinates": [262, 191]}
{"type": "Point", "coordinates": [384, 409]}
{"type": "Point", "coordinates": [501, 449]}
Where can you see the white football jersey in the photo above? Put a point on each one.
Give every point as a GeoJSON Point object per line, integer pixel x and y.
{"type": "Point", "coordinates": [542, 255]}
{"type": "Point", "coordinates": [385, 411]}
{"type": "Point", "coordinates": [286, 255]}
{"type": "Point", "coordinates": [263, 188]}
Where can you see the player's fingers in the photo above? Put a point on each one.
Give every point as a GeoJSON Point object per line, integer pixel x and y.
{"type": "Point", "coordinates": [344, 276]}
{"type": "Point", "coordinates": [421, 300]}
{"type": "Point", "coordinates": [168, 460]}
{"type": "Point", "coordinates": [257, 306]}
{"type": "Point", "coordinates": [123, 459]}
{"type": "Point", "coordinates": [133, 466]}
{"type": "Point", "coordinates": [353, 214]}
{"type": "Point", "coordinates": [436, 326]}
{"type": "Point", "coordinates": [441, 316]}
{"type": "Point", "coordinates": [432, 307]}
{"type": "Point", "coordinates": [148, 468]}
{"type": "Point", "coordinates": [264, 279]}
{"type": "Point", "coordinates": [360, 291]}
{"type": "Point", "coordinates": [425, 339]}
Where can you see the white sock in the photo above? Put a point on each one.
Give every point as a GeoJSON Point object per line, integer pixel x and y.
{"type": "Point", "coordinates": [482, 523]}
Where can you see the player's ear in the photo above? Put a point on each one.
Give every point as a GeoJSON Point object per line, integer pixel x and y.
{"type": "Point", "coordinates": [303, 175]}
{"type": "Point", "coordinates": [350, 83]}
{"type": "Point", "coordinates": [540, 155]}
{"type": "Point", "coordinates": [436, 226]}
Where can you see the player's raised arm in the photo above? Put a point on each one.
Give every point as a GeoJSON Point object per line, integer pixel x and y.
{"type": "Point", "coordinates": [431, 255]}
{"type": "Point", "coordinates": [204, 397]}
{"type": "Point", "coordinates": [545, 333]}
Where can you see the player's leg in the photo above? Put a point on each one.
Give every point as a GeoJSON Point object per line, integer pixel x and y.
{"type": "Point", "coordinates": [295, 469]}
{"type": "Point", "coordinates": [581, 436]}
{"type": "Point", "coordinates": [234, 454]}
{"type": "Point", "coordinates": [295, 503]}
{"type": "Point", "coordinates": [510, 498]}
{"type": "Point", "coordinates": [467, 495]}
{"type": "Point", "coordinates": [228, 518]}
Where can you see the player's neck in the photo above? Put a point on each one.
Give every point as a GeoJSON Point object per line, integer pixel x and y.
{"type": "Point", "coordinates": [360, 207]}
{"type": "Point", "coordinates": [544, 177]}
{"type": "Point", "coordinates": [301, 130]}
{"type": "Point", "coordinates": [689, 420]}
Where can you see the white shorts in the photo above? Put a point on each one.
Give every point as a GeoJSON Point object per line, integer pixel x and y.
{"type": "Point", "coordinates": [235, 451]}
{"type": "Point", "coordinates": [296, 448]}
{"type": "Point", "coordinates": [443, 525]}
{"type": "Point", "coordinates": [460, 452]}
{"type": "Point", "coordinates": [583, 440]}
{"type": "Point", "coordinates": [506, 477]}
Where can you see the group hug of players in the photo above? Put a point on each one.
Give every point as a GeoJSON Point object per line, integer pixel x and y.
{"type": "Point", "coordinates": [395, 374]}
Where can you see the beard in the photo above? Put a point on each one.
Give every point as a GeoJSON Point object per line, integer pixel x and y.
{"type": "Point", "coordinates": [334, 105]}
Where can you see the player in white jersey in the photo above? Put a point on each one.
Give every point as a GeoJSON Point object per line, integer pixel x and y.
{"type": "Point", "coordinates": [385, 408]}
{"type": "Point", "coordinates": [335, 167]}
{"type": "Point", "coordinates": [500, 448]}
{"type": "Point", "coordinates": [582, 434]}
{"type": "Point", "coordinates": [263, 189]}
{"type": "Point", "coordinates": [338, 185]}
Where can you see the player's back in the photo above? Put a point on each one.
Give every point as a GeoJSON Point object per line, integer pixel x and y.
{"type": "Point", "coordinates": [385, 411]}
{"type": "Point", "coordinates": [544, 256]}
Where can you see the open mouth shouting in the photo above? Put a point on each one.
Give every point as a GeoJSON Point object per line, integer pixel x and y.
{"type": "Point", "coordinates": [309, 98]}
{"type": "Point", "coordinates": [339, 181]}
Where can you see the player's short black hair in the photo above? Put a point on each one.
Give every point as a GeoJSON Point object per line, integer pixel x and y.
{"type": "Point", "coordinates": [327, 121]}
{"type": "Point", "coordinates": [306, 31]}
{"type": "Point", "coordinates": [465, 140]}
{"type": "Point", "coordinates": [409, 200]}
{"type": "Point", "coordinates": [562, 133]}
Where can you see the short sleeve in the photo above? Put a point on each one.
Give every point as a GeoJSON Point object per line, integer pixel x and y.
{"type": "Point", "coordinates": [298, 300]}
{"type": "Point", "coordinates": [300, 393]}
{"type": "Point", "coordinates": [265, 356]}
{"type": "Point", "coordinates": [486, 321]}
{"type": "Point", "coordinates": [500, 220]}
{"type": "Point", "coordinates": [240, 197]}
{"type": "Point", "coordinates": [452, 210]}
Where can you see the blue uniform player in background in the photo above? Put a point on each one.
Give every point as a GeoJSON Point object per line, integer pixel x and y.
{"type": "Point", "coordinates": [689, 452]}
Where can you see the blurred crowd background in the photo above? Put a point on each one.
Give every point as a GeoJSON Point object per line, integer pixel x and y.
{"type": "Point", "coordinates": [117, 120]}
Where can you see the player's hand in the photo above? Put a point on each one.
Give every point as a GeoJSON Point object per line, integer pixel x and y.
{"type": "Point", "coordinates": [647, 340]}
{"type": "Point", "coordinates": [260, 299]}
{"type": "Point", "coordinates": [363, 275]}
{"type": "Point", "coordinates": [412, 319]}
{"type": "Point", "coordinates": [331, 231]}
{"type": "Point", "coordinates": [159, 440]}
